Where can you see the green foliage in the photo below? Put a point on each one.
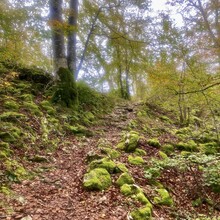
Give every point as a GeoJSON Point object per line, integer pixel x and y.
{"type": "Point", "coordinates": [137, 160]}
{"type": "Point", "coordinates": [11, 116]}
{"type": "Point", "coordinates": [11, 105]}
{"type": "Point", "coordinates": [32, 108]}
{"type": "Point", "coordinates": [168, 149]}
{"type": "Point", "coordinates": [97, 179]}
{"type": "Point", "coordinates": [140, 152]}
{"type": "Point", "coordinates": [47, 106]}
{"type": "Point", "coordinates": [188, 146]}
{"type": "Point", "coordinates": [9, 132]}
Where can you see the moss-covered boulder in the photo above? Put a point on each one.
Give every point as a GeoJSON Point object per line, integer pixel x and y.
{"type": "Point", "coordinates": [163, 198]}
{"type": "Point", "coordinates": [105, 163]}
{"type": "Point", "coordinates": [124, 178]}
{"type": "Point", "coordinates": [140, 152]}
{"type": "Point", "coordinates": [120, 167]}
{"type": "Point", "coordinates": [127, 189]}
{"type": "Point", "coordinates": [154, 142]}
{"type": "Point", "coordinates": [143, 213]}
{"type": "Point", "coordinates": [112, 153]}
{"type": "Point", "coordinates": [143, 199]}
{"type": "Point", "coordinates": [97, 179]}
{"type": "Point", "coordinates": [135, 160]}
{"type": "Point", "coordinates": [129, 141]}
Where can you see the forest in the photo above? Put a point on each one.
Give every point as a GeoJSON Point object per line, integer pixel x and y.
{"type": "Point", "coordinates": [110, 109]}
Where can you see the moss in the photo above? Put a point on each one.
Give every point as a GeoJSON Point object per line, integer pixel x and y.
{"type": "Point", "coordinates": [131, 141]}
{"type": "Point", "coordinates": [11, 105]}
{"type": "Point", "coordinates": [47, 106]}
{"type": "Point", "coordinates": [163, 198]}
{"type": "Point", "coordinates": [197, 202]}
{"type": "Point", "coordinates": [33, 108]}
{"type": "Point", "coordinates": [165, 119]}
{"type": "Point", "coordinates": [11, 116]}
{"type": "Point", "coordinates": [167, 149]}
{"type": "Point", "coordinates": [154, 142]}
{"type": "Point", "coordinates": [5, 150]}
{"type": "Point", "coordinates": [209, 148]}
{"type": "Point", "coordinates": [97, 179]}
{"type": "Point", "coordinates": [188, 146]}
{"type": "Point", "coordinates": [27, 97]}
{"type": "Point", "coordinates": [113, 154]}
{"type": "Point", "coordinates": [10, 133]}
{"type": "Point", "coordinates": [105, 163]}
{"type": "Point", "coordinates": [140, 152]}
{"type": "Point", "coordinates": [143, 199]}
{"type": "Point", "coordinates": [5, 190]}
{"type": "Point", "coordinates": [124, 178]}
{"type": "Point", "coordinates": [121, 146]}
{"type": "Point", "coordinates": [185, 153]}
{"type": "Point", "coordinates": [120, 167]}
{"type": "Point", "coordinates": [143, 213]}
{"type": "Point", "coordinates": [135, 160]}
{"type": "Point", "coordinates": [127, 189]}
{"type": "Point", "coordinates": [66, 91]}
{"type": "Point", "coordinates": [162, 155]}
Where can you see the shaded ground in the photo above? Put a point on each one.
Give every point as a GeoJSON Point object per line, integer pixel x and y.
{"type": "Point", "coordinates": [57, 193]}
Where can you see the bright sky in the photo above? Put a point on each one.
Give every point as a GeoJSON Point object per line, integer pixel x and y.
{"type": "Point", "coordinates": [158, 4]}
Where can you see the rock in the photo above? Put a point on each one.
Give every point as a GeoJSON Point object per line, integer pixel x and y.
{"type": "Point", "coordinates": [112, 153]}
{"type": "Point", "coordinates": [105, 163]}
{"type": "Point", "coordinates": [125, 178]}
{"type": "Point", "coordinates": [135, 160]}
{"type": "Point", "coordinates": [97, 179]}
{"type": "Point", "coordinates": [27, 218]}
{"type": "Point", "coordinates": [143, 213]}
{"type": "Point", "coordinates": [39, 159]}
{"type": "Point", "coordinates": [92, 155]}
{"type": "Point", "coordinates": [163, 198]}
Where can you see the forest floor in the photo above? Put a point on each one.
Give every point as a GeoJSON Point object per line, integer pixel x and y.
{"type": "Point", "coordinates": [58, 192]}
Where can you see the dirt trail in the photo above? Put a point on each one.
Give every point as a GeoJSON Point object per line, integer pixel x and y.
{"type": "Point", "coordinates": [58, 193]}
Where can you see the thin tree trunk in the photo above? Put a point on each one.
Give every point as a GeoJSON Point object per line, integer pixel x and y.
{"type": "Point", "coordinates": [71, 57]}
{"type": "Point", "coordinates": [57, 34]}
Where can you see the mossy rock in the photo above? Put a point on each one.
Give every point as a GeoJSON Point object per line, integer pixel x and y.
{"type": "Point", "coordinates": [104, 163]}
{"type": "Point", "coordinates": [136, 160]}
{"type": "Point", "coordinates": [188, 146]}
{"type": "Point", "coordinates": [11, 105]}
{"type": "Point", "coordinates": [140, 152]}
{"type": "Point", "coordinates": [185, 153]}
{"type": "Point", "coordinates": [47, 106]}
{"type": "Point", "coordinates": [92, 155]}
{"type": "Point", "coordinates": [9, 133]}
{"type": "Point", "coordinates": [5, 150]}
{"type": "Point", "coordinates": [162, 155]}
{"type": "Point", "coordinates": [163, 198]}
{"type": "Point", "coordinates": [130, 189]}
{"type": "Point", "coordinates": [124, 178]}
{"type": "Point", "coordinates": [209, 148]}
{"type": "Point", "coordinates": [32, 107]}
{"type": "Point", "coordinates": [11, 116]}
{"type": "Point", "coordinates": [144, 213]}
{"type": "Point", "coordinates": [167, 149]}
{"type": "Point", "coordinates": [120, 167]}
{"type": "Point", "coordinates": [97, 179]}
{"type": "Point", "coordinates": [154, 142]}
{"type": "Point", "coordinates": [143, 199]}
{"type": "Point", "coordinates": [112, 153]}
{"type": "Point", "coordinates": [131, 141]}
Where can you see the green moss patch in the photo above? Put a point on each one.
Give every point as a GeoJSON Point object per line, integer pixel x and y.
{"type": "Point", "coordinates": [167, 149]}
{"type": "Point", "coordinates": [47, 106]}
{"type": "Point", "coordinates": [97, 179]}
{"type": "Point", "coordinates": [11, 105]}
{"type": "Point", "coordinates": [163, 198]}
{"type": "Point", "coordinates": [140, 152]}
{"type": "Point", "coordinates": [124, 178]}
{"type": "Point", "coordinates": [9, 132]}
{"type": "Point", "coordinates": [11, 116]}
{"type": "Point", "coordinates": [154, 142]}
{"type": "Point", "coordinates": [105, 163]}
{"type": "Point", "coordinates": [32, 108]}
{"type": "Point", "coordinates": [187, 146]}
{"type": "Point", "coordinates": [143, 213]}
{"type": "Point", "coordinates": [112, 153]}
{"type": "Point", "coordinates": [135, 160]}
{"type": "Point", "coordinates": [120, 167]}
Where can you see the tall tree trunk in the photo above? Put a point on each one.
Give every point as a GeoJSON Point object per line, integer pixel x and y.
{"type": "Point", "coordinates": [57, 34]}
{"type": "Point", "coordinates": [71, 56]}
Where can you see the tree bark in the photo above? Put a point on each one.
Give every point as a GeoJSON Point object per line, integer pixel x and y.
{"type": "Point", "coordinates": [57, 34]}
{"type": "Point", "coordinates": [71, 56]}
